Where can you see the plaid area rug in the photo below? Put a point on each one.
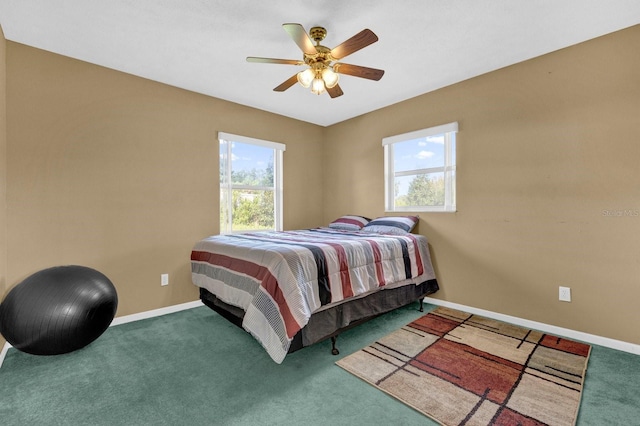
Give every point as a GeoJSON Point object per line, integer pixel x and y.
{"type": "Point", "coordinates": [464, 369]}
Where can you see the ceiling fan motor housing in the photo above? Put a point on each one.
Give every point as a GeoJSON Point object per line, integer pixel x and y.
{"type": "Point", "coordinates": [322, 59]}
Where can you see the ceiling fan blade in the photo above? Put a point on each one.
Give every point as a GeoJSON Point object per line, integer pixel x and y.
{"type": "Point", "coordinates": [286, 84]}
{"type": "Point", "coordinates": [335, 91]}
{"type": "Point", "coordinates": [358, 71]}
{"type": "Point", "coordinates": [355, 43]}
{"type": "Point", "coordinates": [301, 38]}
{"type": "Point", "coordinates": [274, 61]}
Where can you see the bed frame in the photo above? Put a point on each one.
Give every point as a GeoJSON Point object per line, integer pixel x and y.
{"type": "Point", "coordinates": [329, 323]}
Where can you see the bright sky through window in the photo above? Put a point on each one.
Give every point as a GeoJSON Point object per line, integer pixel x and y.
{"type": "Point", "coordinates": [420, 170]}
{"type": "Point", "coordinates": [250, 184]}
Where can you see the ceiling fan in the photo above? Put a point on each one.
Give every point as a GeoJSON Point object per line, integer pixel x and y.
{"type": "Point", "coordinates": [323, 69]}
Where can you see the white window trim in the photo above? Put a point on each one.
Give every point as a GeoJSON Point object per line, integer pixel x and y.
{"type": "Point", "coordinates": [277, 170]}
{"type": "Point", "coordinates": [230, 137]}
{"type": "Point", "coordinates": [431, 131]}
{"type": "Point", "coordinates": [449, 167]}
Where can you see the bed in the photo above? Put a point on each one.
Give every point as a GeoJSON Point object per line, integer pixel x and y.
{"type": "Point", "coordinates": [291, 289]}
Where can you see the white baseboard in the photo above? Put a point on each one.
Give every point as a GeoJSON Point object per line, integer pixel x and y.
{"type": "Point", "coordinates": [576, 335]}
{"type": "Point", "coordinates": [155, 312]}
{"type": "Point", "coordinates": [130, 318]}
{"type": "Point", "coordinates": [3, 353]}
{"type": "Point", "coordinates": [572, 334]}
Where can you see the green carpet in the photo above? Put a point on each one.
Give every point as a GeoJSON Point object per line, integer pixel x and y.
{"type": "Point", "coordinates": [194, 368]}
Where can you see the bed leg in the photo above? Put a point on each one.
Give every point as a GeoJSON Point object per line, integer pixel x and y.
{"type": "Point", "coordinates": [421, 303]}
{"type": "Point", "coordinates": [334, 350]}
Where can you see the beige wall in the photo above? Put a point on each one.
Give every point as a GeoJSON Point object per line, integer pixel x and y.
{"type": "Point", "coordinates": [544, 147]}
{"type": "Point", "coordinates": [3, 170]}
{"type": "Point", "coordinates": [119, 173]}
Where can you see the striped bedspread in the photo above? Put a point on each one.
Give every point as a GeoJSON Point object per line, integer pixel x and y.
{"type": "Point", "coordinates": [280, 278]}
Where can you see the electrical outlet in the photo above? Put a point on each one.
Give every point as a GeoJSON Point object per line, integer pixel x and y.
{"type": "Point", "coordinates": [564, 294]}
{"type": "Point", "coordinates": [164, 279]}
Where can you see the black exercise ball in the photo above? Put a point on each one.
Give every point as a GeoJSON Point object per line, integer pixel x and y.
{"type": "Point", "coordinates": [58, 310]}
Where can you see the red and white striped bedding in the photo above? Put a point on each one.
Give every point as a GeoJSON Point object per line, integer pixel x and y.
{"type": "Point", "coordinates": [281, 278]}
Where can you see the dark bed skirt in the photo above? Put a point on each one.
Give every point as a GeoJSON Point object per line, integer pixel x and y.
{"type": "Point", "coordinates": [332, 321]}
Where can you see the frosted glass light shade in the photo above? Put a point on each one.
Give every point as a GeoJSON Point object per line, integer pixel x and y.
{"type": "Point", "coordinates": [306, 77]}
{"type": "Point", "coordinates": [317, 86]}
{"type": "Point", "coordinates": [330, 78]}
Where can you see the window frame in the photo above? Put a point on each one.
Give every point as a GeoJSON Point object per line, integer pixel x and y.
{"type": "Point", "coordinates": [449, 131]}
{"type": "Point", "coordinates": [277, 188]}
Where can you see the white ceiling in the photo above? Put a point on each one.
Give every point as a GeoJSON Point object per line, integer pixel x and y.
{"type": "Point", "coordinates": [201, 45]}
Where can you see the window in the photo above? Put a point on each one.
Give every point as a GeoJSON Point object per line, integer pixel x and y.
{"type": "Point", "coordinates": [250, 184]}
{"type": "Point", "coordinates": [420, 170]}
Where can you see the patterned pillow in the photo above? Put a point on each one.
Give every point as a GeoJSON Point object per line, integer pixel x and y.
{"type": "Point", "coordinates": [396, 225]}
{"type": "Point", "coordinates": [349, 223]}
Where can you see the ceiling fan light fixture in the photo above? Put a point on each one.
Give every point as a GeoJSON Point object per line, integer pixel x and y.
{"type": "Point", "coordinates": [323, 72]}
{"type": "Point", "coordinates": [330, 78]}
{"type": "Point", "coordinates": [306, 77]}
